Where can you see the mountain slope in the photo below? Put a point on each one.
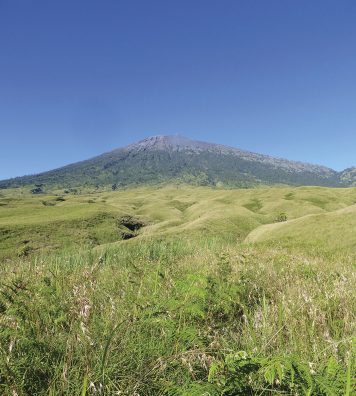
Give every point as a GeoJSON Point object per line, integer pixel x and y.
{"type": "Point", "coordinates": [173, 158]}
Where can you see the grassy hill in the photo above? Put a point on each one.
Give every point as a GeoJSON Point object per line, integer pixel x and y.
{"type": "Point", "coordinates": [178, 291]}
{"type": "Point", "coordinates": [49, 222]}
{"type": "Point", "coordinates": [333, 231]}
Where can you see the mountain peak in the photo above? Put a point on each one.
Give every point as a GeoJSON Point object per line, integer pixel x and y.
{"type": "Point", "coordinates": [165, 142]}
{"type": "Point", "coordinates": [174, 143]}
{"type": "Point", "coordinates": [181, 143]}
{"type": "Point", "coordinates": [176, 158]}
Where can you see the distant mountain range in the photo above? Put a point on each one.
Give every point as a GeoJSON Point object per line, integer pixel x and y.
{"type": "Point", "coordinates": [161, 159]}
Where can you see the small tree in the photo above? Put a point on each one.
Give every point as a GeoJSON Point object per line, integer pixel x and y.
{"type": "Point", "coordinates": [37, 190]}
{"type": "Point", "coordinates": [281, 217]}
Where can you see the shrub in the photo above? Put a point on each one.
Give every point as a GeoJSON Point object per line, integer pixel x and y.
{"type": "Point", "coordinates": [281, 217]}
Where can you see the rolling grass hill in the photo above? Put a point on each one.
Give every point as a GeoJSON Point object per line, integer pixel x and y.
{"type": "Point", "coordinates": [178, 290]}
{"type": "Point", "coordinates": [333, 231]}
{"type": "Point", "coordinates": [50, 222]}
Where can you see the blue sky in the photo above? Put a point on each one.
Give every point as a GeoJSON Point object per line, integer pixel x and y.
{"type": "Point", "coordinates": [81, 77]}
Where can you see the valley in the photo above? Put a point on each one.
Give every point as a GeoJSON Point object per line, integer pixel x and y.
{"type": "Point", "coordinates": [48, 222]}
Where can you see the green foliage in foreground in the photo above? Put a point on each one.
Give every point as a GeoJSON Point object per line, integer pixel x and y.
{"type": "Point", "coordinates": [172, 316]}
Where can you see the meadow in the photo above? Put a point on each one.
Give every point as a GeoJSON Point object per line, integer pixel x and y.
{"type": "Point", "coordinates": [178, 291]}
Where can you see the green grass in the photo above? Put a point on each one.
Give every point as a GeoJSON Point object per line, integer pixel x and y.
{"type": "Point", "coordinates": [203, 301]}
{"type": "Point", "coordinates": [332, 232]}
{"type": "Point", "coordinates": [81, 221]}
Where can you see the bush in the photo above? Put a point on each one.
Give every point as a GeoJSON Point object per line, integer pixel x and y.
{"type": "Point", "coordinates": [244, 374]}
{"type": "Point", "coordinates": [281, 217]}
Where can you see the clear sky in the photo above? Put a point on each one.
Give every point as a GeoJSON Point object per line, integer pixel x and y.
{"type": "Point", "coordinates": [81, 77]}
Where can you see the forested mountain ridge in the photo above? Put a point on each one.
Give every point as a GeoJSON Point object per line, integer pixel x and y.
{"type": "Point", "coordinates": [160, 159]}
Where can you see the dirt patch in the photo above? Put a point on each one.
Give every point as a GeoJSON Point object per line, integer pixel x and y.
{"type": "Point", "coordinates": [132, 223]}
{"type": "Point", "coordinates": [129, 227]}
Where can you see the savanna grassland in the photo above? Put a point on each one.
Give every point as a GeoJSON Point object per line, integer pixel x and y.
{"type": "Point", "coordinates": [178, 291]}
